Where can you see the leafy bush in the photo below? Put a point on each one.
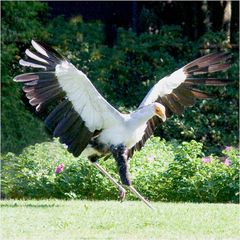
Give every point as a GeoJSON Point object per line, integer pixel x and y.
{"type": "Point", "coordinates": [173, 172]}
{"type": "Point", "coordinates": [162, 171]}
{"type": "Point", "coordinates": [20, 23]}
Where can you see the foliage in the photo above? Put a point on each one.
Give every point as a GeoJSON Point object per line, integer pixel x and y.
{"type": "Point", "coordinates": [20, 23]}
{"type": "Point", "coordinates": [174, 172]}
{"type": "Point", "coordinates": [162, 171]}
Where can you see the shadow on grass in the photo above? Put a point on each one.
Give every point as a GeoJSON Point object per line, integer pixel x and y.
{"type": "Point", "coordinates": [30, 205]}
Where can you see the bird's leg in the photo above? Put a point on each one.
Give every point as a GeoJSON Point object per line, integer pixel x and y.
{"type": "Point", "coordinates": [136, 193]}
{"type": "Point", "coordinates": [119, 153]}
{"type": "Point", "coordinates": [122, 191]}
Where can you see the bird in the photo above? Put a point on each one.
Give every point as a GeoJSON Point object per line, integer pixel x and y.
{"type": "Point", "coordinates": [88, 125]}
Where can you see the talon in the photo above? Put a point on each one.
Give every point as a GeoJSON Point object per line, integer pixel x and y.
{"type": "Point", "coordinates": [122, 194]}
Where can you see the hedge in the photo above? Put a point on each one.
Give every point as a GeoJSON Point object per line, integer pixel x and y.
{"type": "Point", "coordinates": [162, 171]}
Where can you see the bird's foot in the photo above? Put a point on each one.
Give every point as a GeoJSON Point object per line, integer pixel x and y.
{"type": "Point", "coordinates": [122, 194]}
{"type": "Point", "coordinates": [137, 194]}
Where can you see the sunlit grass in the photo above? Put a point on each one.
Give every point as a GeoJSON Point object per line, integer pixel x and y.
{"type": "Point", "coordinates": [55, 219]}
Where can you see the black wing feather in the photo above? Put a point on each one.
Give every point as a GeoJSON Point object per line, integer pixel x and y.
{"type": "Point", "coordinates": [43, 89]}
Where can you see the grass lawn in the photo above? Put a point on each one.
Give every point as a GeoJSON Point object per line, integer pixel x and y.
{"type": "Point", "coordinates": [55, 219]}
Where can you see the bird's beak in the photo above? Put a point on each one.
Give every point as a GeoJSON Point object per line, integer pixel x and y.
{"type": "Point", "coordinates": [164, 118]}
{"type": "Point", "coordinates": [161, 114]}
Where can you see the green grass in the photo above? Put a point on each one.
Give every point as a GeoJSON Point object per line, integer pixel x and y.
{"type": "Point", "coordinates": [55, 219]}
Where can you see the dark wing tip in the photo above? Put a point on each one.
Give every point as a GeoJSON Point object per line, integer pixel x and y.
{"type": "Point", "coordinates": [208, 81]}
{"type": "Point", "coordinates": [213, 62]}
{"type": "Point", "coordinates": [48, 49]}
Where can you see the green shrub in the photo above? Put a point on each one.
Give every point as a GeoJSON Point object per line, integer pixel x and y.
{"type": "Point", "coordinates": [20, 23]}
{"type": "Point", "coordinates": [162, 171]}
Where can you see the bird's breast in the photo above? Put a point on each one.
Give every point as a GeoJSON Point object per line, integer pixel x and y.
{"type": "Point", "coordinates": [122, 135]}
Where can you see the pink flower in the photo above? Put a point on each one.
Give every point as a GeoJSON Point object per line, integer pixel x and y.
{"type": "Point", "coordinates": [228, 148]}
{"type": "Point", "coordinates": [206, 159]}
{"type": "Point", "coordinates": [227, 162]}
{"type": "Point", "coordinates": [59, 168]}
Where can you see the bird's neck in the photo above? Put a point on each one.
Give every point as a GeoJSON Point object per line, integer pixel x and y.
{"type": "Point", "coordinates": [140, 117]}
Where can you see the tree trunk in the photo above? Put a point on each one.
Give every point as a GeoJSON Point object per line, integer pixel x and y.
{"type": "Point", "coordinates": [135, 16]}
{"type": "Point", "coordinates": [227, 19]}
{"type": "Point", "coordinates": [206, 14]}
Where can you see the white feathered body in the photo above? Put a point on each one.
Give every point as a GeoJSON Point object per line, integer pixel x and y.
{"type": "Point", "coordinates": [127, 133]}
{"type": "Point", "coordinates": [117, 128]}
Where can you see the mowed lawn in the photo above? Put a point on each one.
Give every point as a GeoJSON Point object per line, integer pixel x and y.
{"type": "Point", "coordinates": [75, 219]}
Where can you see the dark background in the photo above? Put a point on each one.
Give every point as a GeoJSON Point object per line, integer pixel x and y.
{"type": "Point", "coordinates": [129, 14]}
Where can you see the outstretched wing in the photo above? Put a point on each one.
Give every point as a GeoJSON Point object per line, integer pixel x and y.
{"type": "Point", "coordinates": [81, 111]}
{"type": "Point", "coordinates": [177, 91]}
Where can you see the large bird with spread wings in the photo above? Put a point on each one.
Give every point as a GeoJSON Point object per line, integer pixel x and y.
{"type": "Point", "coordinates": [87, 124]}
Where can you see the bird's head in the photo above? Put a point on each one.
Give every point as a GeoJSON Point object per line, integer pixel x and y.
{"type": "Point", "coordinates": [159, 110]}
